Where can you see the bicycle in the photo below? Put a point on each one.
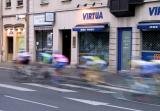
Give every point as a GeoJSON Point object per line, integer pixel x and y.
{"type": "Point", "coordinates": [35, 72]}
{"type": "Point", "coordinates": [90, 74]}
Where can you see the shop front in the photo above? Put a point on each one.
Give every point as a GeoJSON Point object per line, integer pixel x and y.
{"type": "Point", "coordinates": [43, 31]}
{"type": "Point", "coordinates": [93, 34]}
{"type": "Point", "coordinates": [14, 40]}
{"type": "Point", "coordinates": [93, 40]}
{"type": "Point", "coordinates": [86, 33]}
{"type": "Point", "coordinates": [150, 33]}
{"type": "Point", "coordinates": [44, 38]}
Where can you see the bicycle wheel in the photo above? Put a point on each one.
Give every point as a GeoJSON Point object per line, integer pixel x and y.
{"type": "Point", "coordinates": [19, 75]}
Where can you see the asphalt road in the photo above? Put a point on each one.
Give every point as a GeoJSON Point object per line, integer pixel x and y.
{"type": "Point", "coordinates": [23, 96]}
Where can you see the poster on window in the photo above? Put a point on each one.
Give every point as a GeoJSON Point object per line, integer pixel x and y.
{"type": "Point", "coordinates": [21, 43]}
{"type": "Point", "coordinates": [150, 56]}
{"type": "Point", "coordinates": [49, 40]}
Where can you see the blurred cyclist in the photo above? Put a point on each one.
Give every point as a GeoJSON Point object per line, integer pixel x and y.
{"type": "Point", "coordinates": [91, 69]}
{"type": "Point", "coordinates": [59, 63]}
{"type": "Point", "coordinates": [23, 57]}
{"type": "Point", "coordinates": [21, 62]}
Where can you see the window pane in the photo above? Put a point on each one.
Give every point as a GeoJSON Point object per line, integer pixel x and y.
{"type": "Point", "coordinates": [19, 2]}
{"type": "Point", "coordinates": [44, 1]}
{"type": "Point", "coordinates": [8, 3]}
{"type": "Point", "coordinates": [92, 43]}
{"type": "Point", "coordinates": [150, 41]}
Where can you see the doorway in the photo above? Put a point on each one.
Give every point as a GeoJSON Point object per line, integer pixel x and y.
{"type": "Point", "coordinates": [66, 43]}
{"type": "Point", "coordinates": [9, 48]}
{"type": "Point", "coordinates": [124, 48]}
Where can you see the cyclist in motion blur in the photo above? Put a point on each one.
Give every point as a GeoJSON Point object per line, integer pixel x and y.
{"type": "Point", "coordinates": [92, 69]}
{"type": "Point", "coordinates": [21, 64]}
{"type": "Point", "coordinates": [59, 63]}
{"type": "Point", "coordinates": [23, 57]}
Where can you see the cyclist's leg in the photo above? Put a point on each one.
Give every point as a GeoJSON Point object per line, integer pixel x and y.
{"type": "Point", "coordinates": [56, 73]}
{"type": "Point", "coordinates": [59, 72]}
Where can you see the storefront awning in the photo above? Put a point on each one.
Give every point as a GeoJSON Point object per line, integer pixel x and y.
{"type": "Point", "coordinates": [90, 27]}
{"type": "Point", "coordinates": [149, 26]}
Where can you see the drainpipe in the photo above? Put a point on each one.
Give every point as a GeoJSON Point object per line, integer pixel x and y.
{"type": "Point", "coordinates": [27, 25]}
{"type": "Point", "coordinates": [1, 30]}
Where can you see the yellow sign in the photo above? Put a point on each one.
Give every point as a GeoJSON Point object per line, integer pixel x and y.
{"type": "Point", "coordinates": [156, 56]}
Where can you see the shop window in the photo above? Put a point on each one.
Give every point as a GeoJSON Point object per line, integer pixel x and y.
{"type": "Point", "coordinates": [94, 44]}
{"type": "Point", "coordinates": [8, 3]}
{"type": "Point", "coordinates": [19, 2]}
{"type": "Point", "coordinates": [44, 42]}
{"type": "Point", "coordinates": [151, 41]}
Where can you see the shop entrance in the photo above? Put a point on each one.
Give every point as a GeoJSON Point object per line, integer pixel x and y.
{"type": "Point", "coordinates": [9, 48]}
{"type": "Point", "coordinates": [124, 48]}
{"type": "Point", "coordinates": [66, 41]}
{"type": "Point", "coordinates": [44, 42]}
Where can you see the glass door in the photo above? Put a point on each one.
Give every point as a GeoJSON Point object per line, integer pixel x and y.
{"type": "Point", "coordinates": [124, 48]}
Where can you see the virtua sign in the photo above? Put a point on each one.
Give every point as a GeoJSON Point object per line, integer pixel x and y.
{"type": "Point", "coordinates": [92, 15]}
{"type": "Point", "coordinates": [154, 11]}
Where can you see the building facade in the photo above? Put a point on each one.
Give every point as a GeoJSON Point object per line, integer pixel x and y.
{"type": "Point", "coordinates": [77, 28]}
{"type": "Point", "coordinates": [137, 31]}
{"type": "Point", "coordinates": [14, 28]}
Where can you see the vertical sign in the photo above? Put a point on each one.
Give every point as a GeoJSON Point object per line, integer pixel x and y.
{"type": "Point", "coordinates": [49, 40]}
{"type": "Point", "coordinates": [74, 42]}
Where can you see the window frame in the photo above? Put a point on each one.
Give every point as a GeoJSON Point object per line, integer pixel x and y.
{"type": "Point", "coordinates": [8, 3]}
{"type": "Point", "coordinates": [44, 2]}
{"type": "Point", "coordinates": [20, 3]}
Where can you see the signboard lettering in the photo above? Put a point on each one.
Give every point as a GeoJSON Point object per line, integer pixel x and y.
{"type": "Point", "coordinates": [92, 15]}
{"type": "Point", "coordinates": [39, 19]}
{"type": "Point", "coordinates": [154, 11]}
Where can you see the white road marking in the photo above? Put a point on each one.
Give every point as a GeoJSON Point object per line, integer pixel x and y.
{"type": "Point", "coordinates": [50, 87]}
{"type": "Point", "coordinates": [140, 102]}
{"type": "Point", "coordinates": [7, 68]}
{"type": "Point", "coordinates": [29, 101]}
{"type": "Point", "coordinates": [90, 102]}
{"type": "Point", "coordinates": [119, 107]}
{"type": "Point", "coordinates": [76, 86]}
{"type": "Point", "coordinates": [15, 87]}
{"type": "Point", "coordinates": [87, 88]}
{"type": "Point", "coordinates": [96, 103]}
{"type": "Point", "coordinates": [106, 92]}
{"type": "Point", "coordinates": [117, 88]}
